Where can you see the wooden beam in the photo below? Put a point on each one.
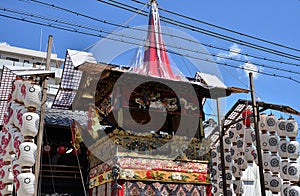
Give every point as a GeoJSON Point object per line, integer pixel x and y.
{"type": "Point", "coordinates": [42, 116]}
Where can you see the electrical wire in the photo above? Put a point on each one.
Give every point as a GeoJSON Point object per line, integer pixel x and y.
{"type": "Point", "coordinates": [175, 36]}
{"type": "Point", "coordinates": [130, 19]}
{"type": "Point", "coordinates": [183, 60]}
{"type": "Point", "coordinates": [170, 51]}
{"type": "Point", "coordinates": [223, 28]}
{"type": "Point", "coordinates": [206, 32]}
{"type": "Point", "coordinates": [138, 39]}
{"type": "Point", "coordinates": [234, 76]}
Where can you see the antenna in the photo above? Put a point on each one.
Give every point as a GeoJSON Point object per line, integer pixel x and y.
{"type": "Point", "coordinates": [41, 39]}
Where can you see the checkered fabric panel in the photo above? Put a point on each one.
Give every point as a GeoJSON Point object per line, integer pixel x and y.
{"type": "Point", "coordinates": [7, 78]}
{"type": "Point", "coordinates": [69, 85]}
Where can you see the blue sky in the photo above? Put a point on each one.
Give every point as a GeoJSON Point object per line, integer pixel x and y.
{"type": "Point", "coordinates": [276, 21]}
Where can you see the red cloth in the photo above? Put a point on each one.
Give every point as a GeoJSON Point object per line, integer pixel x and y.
{"type": "Point", "coordinates": [156, 61]}
{"type": "Point", "coordinates": [209, 190]}
{"type": "Point", "coordinates": [120, 192]}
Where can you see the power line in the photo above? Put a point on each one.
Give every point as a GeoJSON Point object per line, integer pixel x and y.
{"type": "Point", "coordinates": [118, 40]}
{"type": "Point", "coordinates": [51, 25]}
{"type": "Point", "coordinates": [223, 28]}
{"type": "Point", "coordinates": [252, 56]}
{"type": "Point", "coordinates": [138, 39]}
{"type": "Point", "coordinates": [126, 26]}
{"type": "Point", "coordinates": [206, 32]}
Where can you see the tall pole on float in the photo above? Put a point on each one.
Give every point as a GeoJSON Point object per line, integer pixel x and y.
{"type": "Point", "coordinates": [221, 134]}
{"type": "Point", "coordinates": [42, 117]}
{"type": "Point", "coordinates": [258, 147]}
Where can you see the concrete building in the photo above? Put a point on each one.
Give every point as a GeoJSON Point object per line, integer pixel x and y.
{"type": "Point", "coordinates": [15, 56]}
{"type": "Point", "coordinates": [22, 57]}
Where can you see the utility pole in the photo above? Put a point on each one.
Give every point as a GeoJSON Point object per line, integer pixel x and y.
{"type": "Point", "coordinates": [42, 117]}
{"type": "Point", "coordinates": [258, 147]}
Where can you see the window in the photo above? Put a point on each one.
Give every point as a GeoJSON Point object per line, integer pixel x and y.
{"type": "Point", "coordinates": [39, 63]}
{"type": "Point", "coordinates": [12, 59]}
{"type": "Point", "coordinates": [26, 61]}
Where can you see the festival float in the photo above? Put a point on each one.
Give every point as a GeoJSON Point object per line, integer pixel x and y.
{"type": "Point", "coordinates": [144, 130]}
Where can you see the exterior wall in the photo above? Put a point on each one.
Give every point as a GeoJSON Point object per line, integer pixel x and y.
{"type": "Point", "coordinates": [22, 60]}
{"type": "Point", "coordinates": [25, 56]}
{"type": "Point", "coordinates": [14, 56]}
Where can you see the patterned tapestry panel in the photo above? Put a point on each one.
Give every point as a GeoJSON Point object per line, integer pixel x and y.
{"type": "Point", "coordinates": [138, 188]}
{"type": "Point", "coordinates": [160, 189]}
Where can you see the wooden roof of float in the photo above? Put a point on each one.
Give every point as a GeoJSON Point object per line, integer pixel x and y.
{"type": "Point", "coordinates": [109, 74]}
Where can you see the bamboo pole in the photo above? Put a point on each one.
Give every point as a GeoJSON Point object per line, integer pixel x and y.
{"type": "Point", "coordinates": [42, 116]}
